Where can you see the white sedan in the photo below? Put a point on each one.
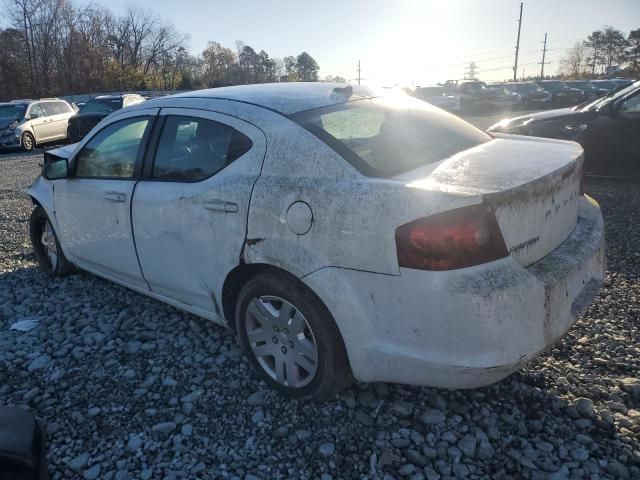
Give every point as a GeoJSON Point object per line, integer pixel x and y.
{"type": "Point", "coordinates": [340, 233]}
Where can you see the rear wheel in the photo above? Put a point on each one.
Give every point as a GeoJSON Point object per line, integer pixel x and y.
{"type": "Point", "coordinates": [46, 247]}
{"type": "Point", "coordinates": [291, 338]}
{"type": "Point", "coordinates": [28, 142]}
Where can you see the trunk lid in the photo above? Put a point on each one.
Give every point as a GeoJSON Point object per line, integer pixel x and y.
{"type": "Point", "coordinates": [532, 183]}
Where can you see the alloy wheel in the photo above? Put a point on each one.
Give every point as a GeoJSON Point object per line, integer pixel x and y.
{"type": "Point", "coordinates": [282, 341]}
{"type": "Point", "coordinates": [48, 240]}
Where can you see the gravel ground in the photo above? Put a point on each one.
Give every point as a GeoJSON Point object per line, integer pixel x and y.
{"type": "Point", "coordinates": [132, 388]}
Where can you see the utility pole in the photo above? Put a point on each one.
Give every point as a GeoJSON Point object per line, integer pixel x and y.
{"type": "Point", "coordinates": [359, 70]}
{"type": "Point", "coordinates": [544, 51]}
{"type": "Point", "coordinates": [515, 65]}
{"type": "Point", "coordinates": [470, 71]}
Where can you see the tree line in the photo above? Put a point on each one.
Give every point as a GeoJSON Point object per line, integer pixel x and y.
{"type": "Point", "coordinates": [605, 52]}
{"type": "Point", "coordinates": [53, 47]}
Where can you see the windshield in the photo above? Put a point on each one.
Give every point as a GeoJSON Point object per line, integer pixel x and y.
{"type": "Point", "coordinates": [101, 106]}
{"type": "Point", "coordinates": [473, 87]}
{"type": "Point", "coordinates": [431, 91]}
{"type": "Point", "coordinates": [606, 84]}
{"type": "Point", "coordinates": [383, 137]}
{"type": "Point", "coordinates": [553, 86]}
{"type": "Point", "coordinates": [16, 111]}
{"type": "Point", "coordinates": [527, 88]}
{"type": "Point", "coordinates": [611, 97]}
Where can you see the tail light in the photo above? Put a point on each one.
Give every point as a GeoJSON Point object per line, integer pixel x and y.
{"type": "Point", "coordinates": [455, 239]}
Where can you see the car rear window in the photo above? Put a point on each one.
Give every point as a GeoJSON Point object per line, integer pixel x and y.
{"type": "Point", "coordinates": [388, 136]}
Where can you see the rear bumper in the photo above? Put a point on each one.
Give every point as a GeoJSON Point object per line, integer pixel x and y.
{"type": "Point", "coordinates": [469, 327]}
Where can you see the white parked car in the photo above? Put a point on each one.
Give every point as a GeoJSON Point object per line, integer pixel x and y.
{"type": "Point", "coordinates": [340, 233]}
{"type": "Point", "coordinates": [29, 123]}
{"type": "Point", "coordinates": [438, 97]}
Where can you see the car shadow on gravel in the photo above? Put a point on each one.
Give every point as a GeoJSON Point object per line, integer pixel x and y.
{"type": "Point", "coordinates": [110, 369]}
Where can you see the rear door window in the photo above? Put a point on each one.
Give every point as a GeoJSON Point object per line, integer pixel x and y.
{"type": "Point", "coordinates": [383, 137]}
{"type": "Point", "coordinates": [191, 149]}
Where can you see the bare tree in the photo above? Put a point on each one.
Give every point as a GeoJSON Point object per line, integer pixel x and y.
{"type": "Point", "coordinates": [574, 63]}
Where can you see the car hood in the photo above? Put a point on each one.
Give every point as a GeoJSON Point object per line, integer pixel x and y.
{"type": "Point", "coordinates": [90, 115]}
{"type": "Point", "coordinates": [6, 121]}
{"type": "Point", "coordinates": [548, 115]}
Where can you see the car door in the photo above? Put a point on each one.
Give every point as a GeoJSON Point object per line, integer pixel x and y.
{"type": "Point", "coordinates": [49, 121]}
{"type": "Point", "coordinates": [190, 211]}
{"type": "Point", "coordinates": [628, 147]}
{"type": "Point", "coordinates": [612, 139]}
{"type": "Point", "coordinates": [93, 205]}
{"type": "Point", "coordinates": [37, 121]}
{"type": "Point", "coordinates": [61, 122]}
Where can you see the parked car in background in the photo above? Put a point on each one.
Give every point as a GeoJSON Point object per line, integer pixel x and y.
{"type": "Point", "coordinates": [622, 82]}
{"type": "Point", "coordinates": [95, 110]}
{"type": "Point", "coordinates": [473, 94]}
{"type": "Point", "coordinates": [507, 97]}
{"type": "Point", "coordinates": [532, 95]}
{"type": "Point", "coordinates": [608, 129]}
{"type": "Point", "coordinates": [28, 123]}
{"type": "Point", "coordinates": [591, 90]}
{"type": "Point", "coordinates": [562, 95]}
{"type": "Point", "coordinates": [437, 96]}
{"type": "Point", "coordinates": [342, 231]}
{"type": "Point", "coordinates": [606, 85]}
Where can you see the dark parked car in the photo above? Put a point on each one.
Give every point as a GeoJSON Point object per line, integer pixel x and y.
{"type": "Point", "coordinates": [532, 95]}
{"type": "Point", "coordinates": [473, 94]}
{"type": "Point", "coordinates": [606, 84]}
{"type": "Point", "coordinates": [591, 90]}
{"type": "Point", "coordinates": [562, 95]}
{"type": "Point", "coordinates": [622, 82]}
{"type": "Point", "coordinates": [95, 110]}
{"type": "Point", "coordinates": [608, 129]}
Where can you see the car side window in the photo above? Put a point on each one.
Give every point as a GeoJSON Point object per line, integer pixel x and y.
{"type": "Point", "coordinates": [112, 152]}
{"type": "Point", "coordinates": [63, 107]}
{"type": "Point", "coordinates": [630, 107]}
{"type": "Point", "coordinates": [35, 110]}
{"type": "Point", "coordinates": [192, 149]}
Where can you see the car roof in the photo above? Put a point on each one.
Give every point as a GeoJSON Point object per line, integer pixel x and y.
{"type": "Point", "coordinates": [107, 97]}
{"type": "Point", "coordinates": [285, 98]}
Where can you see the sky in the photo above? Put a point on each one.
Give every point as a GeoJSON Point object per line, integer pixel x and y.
{"type": "Point", "coordinates": [398, 42]}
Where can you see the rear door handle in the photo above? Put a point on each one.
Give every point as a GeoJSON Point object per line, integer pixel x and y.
{"type": "Point", "coordinates": [221, 206]}
{"type": "Point", "coordinates": [115, 197]}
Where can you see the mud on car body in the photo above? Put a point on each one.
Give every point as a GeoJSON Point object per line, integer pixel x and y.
{"type": "Point", "coordinates": [340, 232]}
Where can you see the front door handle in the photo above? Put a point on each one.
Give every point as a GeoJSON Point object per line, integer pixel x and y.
{"type": "Point", "coordinates": [221, 206]}
{"type": "Point", "coordinates": [115, 197]}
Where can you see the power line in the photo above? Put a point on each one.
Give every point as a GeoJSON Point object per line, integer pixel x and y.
{"type": "Point", "coordinates": [515, 65]}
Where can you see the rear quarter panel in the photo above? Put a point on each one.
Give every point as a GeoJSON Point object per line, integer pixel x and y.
{"type": "Point", "coordinates": [354, 217]}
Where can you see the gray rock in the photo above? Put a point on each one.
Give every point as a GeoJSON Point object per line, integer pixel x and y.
{"type": "Point", "coordinates": [467, 445]}
{"type": "Point", "coordinates": [164, 427]}
{"type": "Point", "coordinates": [585, 407]}
{"type": "Point", "coordinates": [255, 399]}
{"type": "Point", "coordinates": [134, 444]}
{"type": "Point", "coordinates": [78, 463]}
{"type": "Point", "coordinates": [433, 417]}
{"type": "Point", "coordinates": [187, 430]}
{"type": "Point", "coordinates": [415, 458]}
{"type": "Point", "coordinates": [92, 473]}
{"type": "Point", "coordinates": [39, 363]}
{"type": "Point", "coordinates": [258, 416]}
{"type": "Point", "coordinates": [327, 449]}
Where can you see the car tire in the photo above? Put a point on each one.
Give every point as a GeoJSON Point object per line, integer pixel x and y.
{"type": "Point", "coordinates": [275, 345]}
{"type": "Point", "coordinates": [46, 247]}
{"type": "Point", "coordinates": [28, 142]}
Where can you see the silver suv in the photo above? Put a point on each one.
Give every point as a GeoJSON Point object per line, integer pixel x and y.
{"type": "Point", "coordinates": [27, 123]}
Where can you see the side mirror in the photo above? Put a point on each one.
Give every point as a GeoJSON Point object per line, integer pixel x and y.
{"type": "Point", "coordinates": [56, 170]}
{"type": "Point", "coordinates": [33, 115]}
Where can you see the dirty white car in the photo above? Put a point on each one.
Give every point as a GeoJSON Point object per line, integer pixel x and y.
{"type": "Point", "coordinates": [340, 233]}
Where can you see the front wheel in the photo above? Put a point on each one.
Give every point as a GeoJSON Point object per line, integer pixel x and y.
{"type": "Point", "coordinates": [291, 338]}
{"type": "Point", "coordinates": [28, 142]}
{"type": "Point", "coordinates": [46, 247]}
